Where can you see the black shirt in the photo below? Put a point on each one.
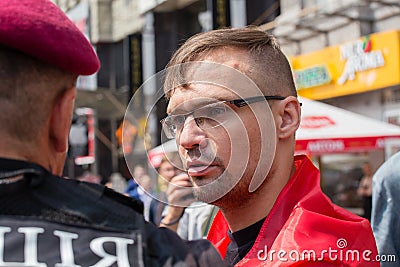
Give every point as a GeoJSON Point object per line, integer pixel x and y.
{"type": "Point", "coordinates": [241, 242]}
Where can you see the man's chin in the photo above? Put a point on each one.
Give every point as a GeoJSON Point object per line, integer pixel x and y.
{"type": "Point", "coordinates": [205, 195]}
{"type": "Point", "coordinates": [211, 190]}
{"type": "Point", "coordinates": [201, 181]}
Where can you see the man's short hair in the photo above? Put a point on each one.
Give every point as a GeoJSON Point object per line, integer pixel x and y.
{"type": "Point", "coordinates": [272, 74]}
{"type": "Point", "coordinates": [28, 90]}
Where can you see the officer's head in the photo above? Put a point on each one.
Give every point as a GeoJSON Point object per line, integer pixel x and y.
{"type": "Point", "coordinates": [41, 55]}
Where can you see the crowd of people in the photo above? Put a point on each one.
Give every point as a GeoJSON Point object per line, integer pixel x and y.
{"type": "Point", "coordinates": [241, 197]}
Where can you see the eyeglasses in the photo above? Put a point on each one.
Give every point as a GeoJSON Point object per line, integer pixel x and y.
{"type": "Point", "coordinates": [209, 116]}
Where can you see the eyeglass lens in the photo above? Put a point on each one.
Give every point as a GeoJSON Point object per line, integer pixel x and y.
{"type": "Point", "coordinates": [206, 117]}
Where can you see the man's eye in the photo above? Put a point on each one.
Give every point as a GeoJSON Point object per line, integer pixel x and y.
{"type": "Point", "coordinates": [200, 121]}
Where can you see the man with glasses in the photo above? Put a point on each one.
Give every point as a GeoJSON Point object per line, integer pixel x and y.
{"type": "Point", "coordinates": [233, 111]}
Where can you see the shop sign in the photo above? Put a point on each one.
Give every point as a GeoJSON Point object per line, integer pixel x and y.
{"type": "Point", "coordinates": [309, 77]}
{"type": "Point", "coordinates": [359, 57]}
{"type": "Point", "coordinates": [369, 63]}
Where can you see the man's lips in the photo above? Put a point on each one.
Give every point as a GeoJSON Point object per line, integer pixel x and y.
{"type": "Point", "coordinates": [200, 169]}
{"type": "Point", "coordinates": [197, 164]}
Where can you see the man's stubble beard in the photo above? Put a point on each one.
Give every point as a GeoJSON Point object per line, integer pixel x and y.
{"type": "Point", "coordinates": [226, 192]}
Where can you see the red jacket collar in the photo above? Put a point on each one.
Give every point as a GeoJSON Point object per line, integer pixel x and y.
{"type": "Point", "coordinates": [281, 210]}
{"type": "Point", "coordinates": [303, 218]}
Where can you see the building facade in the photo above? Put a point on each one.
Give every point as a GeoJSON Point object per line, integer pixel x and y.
{"type": "Point", "coordinates": [345, 53]}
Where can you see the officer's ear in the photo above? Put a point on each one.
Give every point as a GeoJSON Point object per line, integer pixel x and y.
{"type": "Point", "coordinates": [60, 121]}
{"type": "Point", "coordinates": [289, 114]}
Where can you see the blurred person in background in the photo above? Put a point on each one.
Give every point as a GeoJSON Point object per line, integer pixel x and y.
{"type": "Point", "coordinates": [189, 218]}
{"type": "Point", "coordinates": [365, 189]}
{"type": "Point", "coordinates": [385, 219]}
{"type": "Point", "coordinates": [132, 186]}
{"type": "Point", "coordinates": [233, 111]}
{"type": "Point", "coordinates": [145, 192]}
{"type": "Point", "coordinates": [117, 182]}
{"type": "Point", "coordinates": [89, 177]}
{"type": "Point", "coordinates": [47, 220]}
{"type": "Point", "coordinates": [166, 170]}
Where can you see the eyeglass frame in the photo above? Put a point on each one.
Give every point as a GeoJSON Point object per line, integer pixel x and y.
{"type": "Point", "coordinates": [237, 102]}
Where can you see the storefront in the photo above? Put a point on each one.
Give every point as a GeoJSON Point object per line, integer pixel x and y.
{"type": "Point", "coordinates": [362, 76]}
{"type": "Point", "coordinates": [369, 63]}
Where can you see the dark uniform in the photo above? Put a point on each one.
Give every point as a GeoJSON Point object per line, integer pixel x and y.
{"type": "Point", "coordinates": [47, 220]}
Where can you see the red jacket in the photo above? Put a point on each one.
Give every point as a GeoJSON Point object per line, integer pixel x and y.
{"type": "Point", "coordinates": [304, 228]}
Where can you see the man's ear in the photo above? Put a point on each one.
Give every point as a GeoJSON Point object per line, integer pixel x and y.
{"type": "Point", "coordinates": [60, 121]}
{"type": "Point", "coordinates": [290, 114]}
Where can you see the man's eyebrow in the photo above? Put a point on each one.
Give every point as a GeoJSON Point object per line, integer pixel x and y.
{"type": "Point", "coordinates": [178, 111]}
{"type": "Point", "coordinates": [194, 106]}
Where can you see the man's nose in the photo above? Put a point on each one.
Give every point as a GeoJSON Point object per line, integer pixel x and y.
{"type": "Point", "coordinates": [191, 134]}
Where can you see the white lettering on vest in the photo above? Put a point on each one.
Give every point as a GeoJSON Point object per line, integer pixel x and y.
{"type": "Point", "coordinates": [30, 239]}
{"type": "Point", "coordinates": [30, 247]}
{"type": "Point", "coordinates": [66, 250]}
{"type": "Point", "coordinates": [121, 257]}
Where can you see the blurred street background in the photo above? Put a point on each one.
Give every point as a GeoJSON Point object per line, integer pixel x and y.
{"type": "Point", "coordinates": [344, 53]}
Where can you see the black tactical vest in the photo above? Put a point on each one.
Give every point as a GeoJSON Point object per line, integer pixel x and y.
{"type": "Point", "coordinates": [46, 220]}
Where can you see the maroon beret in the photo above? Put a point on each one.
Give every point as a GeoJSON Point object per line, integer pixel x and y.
{"type": "Point", "coordinates": [40, 29]}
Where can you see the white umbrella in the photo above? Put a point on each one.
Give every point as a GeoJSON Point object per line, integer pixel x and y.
{"type": "Point", "coordinates": [327, 129]}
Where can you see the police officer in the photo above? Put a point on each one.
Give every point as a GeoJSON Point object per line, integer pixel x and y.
{"type": "Point", "coordinates": [46, 220]}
